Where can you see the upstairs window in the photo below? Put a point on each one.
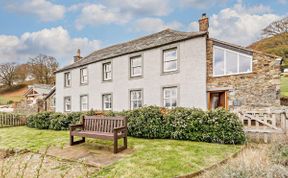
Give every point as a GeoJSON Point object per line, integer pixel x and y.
{"type": "Point", "coordinates": [83, 76]}
{"type": "Point", "coordinates": [136, 99]}
{"type": "Point", "coordinates": [107, 71]}
{"type": "Point", "coordinates": [136, 66]}
{"type": "Point", "coordinates": [67, 104]}
{"type": "Point", "coordinates": [67, 79]}
{"type": "Point", "coordinates": [170, 60]}
{"type": "Point", "coordinates": [227, 62]}
{"type": "Point", "coordinates": [84, 103]}
{"type": "Point", "coordinates": [170, 97]}
{"type": "Point", "coordinates": [107, 102]}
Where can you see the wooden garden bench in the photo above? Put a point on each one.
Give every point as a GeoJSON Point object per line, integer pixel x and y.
{"type": "Point", "coordinates": [107, 128]}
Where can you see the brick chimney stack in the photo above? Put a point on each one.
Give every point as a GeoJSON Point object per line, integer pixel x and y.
{"type": "Point", "coordinates": [78, 56]}
{"type": "Point", "coordinates": [203, 23]}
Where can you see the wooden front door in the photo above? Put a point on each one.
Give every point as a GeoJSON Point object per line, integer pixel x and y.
{"type": "Point", "coordinates": [217, 99]}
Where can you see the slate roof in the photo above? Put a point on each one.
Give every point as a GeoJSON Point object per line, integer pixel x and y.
{"type": "Point", "coordinates": [155, 40]}
{"type": "Point", "coordinates": [41, 89]}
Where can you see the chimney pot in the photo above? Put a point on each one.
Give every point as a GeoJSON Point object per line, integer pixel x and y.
{"type": "Point", "coordinates": [78, 56]}
{"type": "Point", "coordinates": [203, 23]}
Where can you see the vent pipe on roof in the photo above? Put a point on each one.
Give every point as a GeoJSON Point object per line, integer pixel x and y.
{"type": "Point", "coordinates": [203, 23]}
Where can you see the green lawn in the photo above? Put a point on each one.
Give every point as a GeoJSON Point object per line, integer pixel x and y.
{"type": "Point", "coordinates": [150, 158]}
{"type": "Point", "coordinates": [284, 86]}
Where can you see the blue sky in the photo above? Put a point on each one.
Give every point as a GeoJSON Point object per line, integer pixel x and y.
{"type": "Point", "coordinates": [59, 27]}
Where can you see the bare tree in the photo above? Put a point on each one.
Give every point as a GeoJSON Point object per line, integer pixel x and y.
{"type": "Point", "coordinates": [276, 28]}
{"type": "Point", "coordinates": [8, 73]}
{"type": "Point", "coordinates": [42, 68]}
{"type": "Point", "coordinates": [22, 71]}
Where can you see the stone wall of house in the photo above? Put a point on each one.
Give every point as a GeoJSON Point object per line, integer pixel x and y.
{"type": "Point", "coordinates": [258, 89]}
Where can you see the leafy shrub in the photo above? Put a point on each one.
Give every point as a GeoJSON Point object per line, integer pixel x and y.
{"type": "Point", "coordinates": [217, 126]}
{"type": "Point", "coordinates": [146, 122]}
{"type": "Point", "coordinates": [10, 102]}
{"type": "Point", "coordinates": [40, 120]}
{"type": "Point", "coordinates": [59, 121]}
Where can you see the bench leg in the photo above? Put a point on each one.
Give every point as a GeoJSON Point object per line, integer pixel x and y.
{"type": "Point", "coordinates": [72, 142]}
{"type": "Point", "coordinates": [125, 142]}
{"type": "Point", "coordinates": [115, 145]}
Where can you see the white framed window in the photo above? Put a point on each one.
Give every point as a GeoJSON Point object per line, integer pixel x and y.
{"type": "Point", "coordinates": [136, 99]}
{"type": "Point", "coordinates": [67, 104]}
{"type": "Point", "coordinates": [83, 76]}
{"type": "Point", "coordinates": [67, 79]}
{"type": "Point", "coordinates": [228, 62]}
{"type": "Point", "coordinates": [107, 71]}
{"type": "Point", "coordinates": [84, 103]}
{"type": "Point", "coordinates": [136, 66]}
{"type": "Point", "coordinates": [170, 60]}
{"type": "Point", "coordinates": [107, 101]}
{"type": "Point", "coordinates": [170, 95]}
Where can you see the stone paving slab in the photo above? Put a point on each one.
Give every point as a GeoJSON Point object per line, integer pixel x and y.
{"type": "Point", "coordinates": [97, 156]}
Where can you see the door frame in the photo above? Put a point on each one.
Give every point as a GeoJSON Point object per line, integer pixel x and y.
{"type": "Point", "coordinates": [218, 91]}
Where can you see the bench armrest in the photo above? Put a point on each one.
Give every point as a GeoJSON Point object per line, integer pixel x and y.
{"type": "Point", "coordinates": [118, 129]}
{"type": "Point", "coordinates": [76, 126]}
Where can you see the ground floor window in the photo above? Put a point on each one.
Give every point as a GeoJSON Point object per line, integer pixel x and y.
{"type": "Point", "coordinates": [107, 101]}
{"type": "Point", "coordinates": [136, 99]}
{"type": "Point", "coordinates": [170, 97]}
{"type": "Point", "coordinates": [67, 104]}
{"type": "Point", "coordinates": [84, 103]}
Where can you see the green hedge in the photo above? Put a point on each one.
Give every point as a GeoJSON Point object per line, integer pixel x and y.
{"type": "Point", "coordinates": [217, 126]}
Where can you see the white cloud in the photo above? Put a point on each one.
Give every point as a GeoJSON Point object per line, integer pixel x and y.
{"type": "Point", "coordinates": [151, 25]}
{"type": "Point", "coordinates": [282, 1]}
{"type": "Point", "coordinates": [113, 12]}
{"type": "Point", "coordinates": [44, 9]}
{"type": "Point", "coordinates": [239, 24]}
{"type": "Point", "coordinates": [141, 7]}
{"type": "Point", "coordinates": [54, 42]}
{"type": "Point", "coordinates": [200, 3]}
{"type": "Point", "coordinates": [95, 14]}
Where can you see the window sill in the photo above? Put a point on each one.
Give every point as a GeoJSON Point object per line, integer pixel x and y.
{"type": "Point", "coordinates": [227, 75]}
{"type": "Point", "coordinates": [135, 77]}
{"type": "Point", "coordinates": [106, 81]}
{"type": "Point", "coordinates": [170, 73]}
{"type": "Point", "coordinates": [83, 84]}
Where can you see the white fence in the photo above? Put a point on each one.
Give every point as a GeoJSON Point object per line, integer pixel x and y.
{"type": "Point", "coordinates": [264, 121]}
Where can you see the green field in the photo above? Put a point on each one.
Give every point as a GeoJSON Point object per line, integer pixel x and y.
{"type": "Point", "coordinates": [284, 86]}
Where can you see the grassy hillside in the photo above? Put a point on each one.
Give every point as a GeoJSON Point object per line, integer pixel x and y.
{"type": "Point", "coordinates": [14, 94]}
{"type": "Point", "coordinates": [277, 45]}
{"type": "Point", "coordinates": [284, 86]}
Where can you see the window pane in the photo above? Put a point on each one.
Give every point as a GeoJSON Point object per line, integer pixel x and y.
{"type": "Point", "coordinates": [107, 71]}
{"type": "Point", "coordinates": [170, 66]}
{"type": "Point", "coordinates": [218, 66]}
{"type": "Point", "coordinates": [136, 71]}
{"type": "Point", "coordinates": [245, 64]}
{"type": "Point", "coordinates": [136, 62]}
{"type": "Point", "coordinates": [170, 55]}
{"type": "Point", "coordinates": [174, 103]}
{"type": "Point", "coordinates": [166, 103]}
{"type": "Point", "coordinates": [231, 63]}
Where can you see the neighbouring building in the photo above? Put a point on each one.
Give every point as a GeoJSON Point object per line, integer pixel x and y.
{"type": "Point", "coordinates": [36, 92]}
{"type": "Point", "coordinates": [50, 100]}
{"type": "Point", "coordinates": [169, 69]}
